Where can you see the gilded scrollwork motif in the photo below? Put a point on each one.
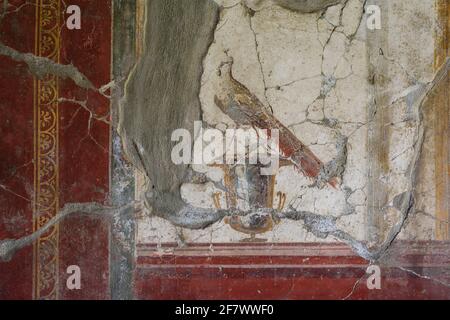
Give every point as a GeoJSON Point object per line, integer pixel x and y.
{"type": "Point", "coordinates": [49, 261]}
{"type": "Point", "coordinates": [48, 92]}
{"type": "Point", "coordinates": [46, 152]}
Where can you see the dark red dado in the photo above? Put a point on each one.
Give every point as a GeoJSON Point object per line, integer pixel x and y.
{"type": "Point", "coordinates": [288, 271]}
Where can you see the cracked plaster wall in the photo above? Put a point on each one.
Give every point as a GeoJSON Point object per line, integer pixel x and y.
{"type": "Point", "coordinates": [358, 99]}
{"type": "Point", "coordinates": [365, 102]}
{"type": "Point", "coordinates": [325, 76]}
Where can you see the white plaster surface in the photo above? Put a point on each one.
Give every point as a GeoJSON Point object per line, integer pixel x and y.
{"type": "Point", "coordinates": [313, 70]}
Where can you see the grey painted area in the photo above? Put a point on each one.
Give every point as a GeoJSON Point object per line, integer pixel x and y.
{"type": "Point", "coordinates": [122, 239]}
{"type": "Point", "coordinates": [162, 94]}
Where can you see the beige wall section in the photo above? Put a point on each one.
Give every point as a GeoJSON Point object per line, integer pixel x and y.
{"type": "Point", "coordinates": [316, 72]}
{"type": "Point", "coordinates": [402, 66]}
{"type": "Point", "coordinates": [139, 178]}
{"type": "Point", "coordinates": [442, 114]}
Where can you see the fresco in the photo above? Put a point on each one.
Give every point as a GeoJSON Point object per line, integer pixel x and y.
{"type": "Point", "coordinates": [275, 149]}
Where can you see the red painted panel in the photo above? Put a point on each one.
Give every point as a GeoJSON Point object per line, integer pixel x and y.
{"type": "Point", "coordinates": [16, 152]}
{"type": "Point", "coordinates": [84, 242]}
{"type": "Point", "coordinates": [84, 151]}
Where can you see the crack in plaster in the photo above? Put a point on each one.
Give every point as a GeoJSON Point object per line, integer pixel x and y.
{"type": "Point", "coordinates": [41, 66]}
{"type": "Point", "coordinates": [303, 6]}
{"type": "Point", "coordinates": [355, 286]}
{"type": "Point", "coordinates": [445, 284]}
{"type": "Point", "coordinates": [8, 247]}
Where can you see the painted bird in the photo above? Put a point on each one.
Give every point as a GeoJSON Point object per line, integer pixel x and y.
{"type": "Point", "coordinates": [236, 100]}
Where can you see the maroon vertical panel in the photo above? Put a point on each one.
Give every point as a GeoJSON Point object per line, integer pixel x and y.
{"type": "Point", "coordinates": [84, 151]}
{"type": "Point", "coordinates": [16, 151]}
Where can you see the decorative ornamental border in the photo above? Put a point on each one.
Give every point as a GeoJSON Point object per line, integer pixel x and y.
{"type": "Point", "coordinates": [46, 150]}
